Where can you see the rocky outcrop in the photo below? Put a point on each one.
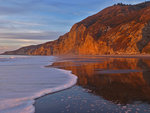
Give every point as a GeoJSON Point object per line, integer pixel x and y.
{"type": "Point", "coordinates": [119, 29]}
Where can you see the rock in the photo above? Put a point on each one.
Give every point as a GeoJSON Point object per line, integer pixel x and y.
{"type": "Point", "coordinates": [119, 29]}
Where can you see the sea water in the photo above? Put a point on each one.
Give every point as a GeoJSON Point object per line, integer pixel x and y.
{"type": "Point", "coordinates": [25, 78]}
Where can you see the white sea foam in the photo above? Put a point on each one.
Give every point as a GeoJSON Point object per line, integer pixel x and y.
{"type": "Point", "coordinates": [23, 78]}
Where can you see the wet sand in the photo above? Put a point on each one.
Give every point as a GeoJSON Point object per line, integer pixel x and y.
{"type": "Point", "coordinates": [105, 84]}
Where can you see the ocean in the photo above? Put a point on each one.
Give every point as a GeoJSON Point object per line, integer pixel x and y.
{"type": "Point", "coordinates": [25, 78]}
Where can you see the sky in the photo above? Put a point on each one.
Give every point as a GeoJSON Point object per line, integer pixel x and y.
{"type": "Point", "coordinates": [30, 22]}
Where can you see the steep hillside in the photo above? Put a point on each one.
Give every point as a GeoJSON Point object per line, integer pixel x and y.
{"type": "Point", "coordinates": [119, 29]}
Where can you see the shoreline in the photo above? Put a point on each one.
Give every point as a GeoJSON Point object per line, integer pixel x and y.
{"type": "Point", "coordinates": [107, 56]}
{"type": "Point", "coordinates": [92, 93]}
{"type": "Point", "coordinates": [74, 55]}
{"type": "Point", "coordinates": [69, 68]}
{"type": "Point", "coordinates": [66, 80]}
{"type": "Point", "coordinates": [74, 83]}
{"type": "Point", "coordinates": [57, 88]}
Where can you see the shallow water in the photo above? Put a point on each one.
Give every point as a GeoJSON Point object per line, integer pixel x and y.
{"type": "Point", "coordinates": [114, 84]}
{"type": "Point", "coordinates": [80, 100]}
{"type": "Point", "coordinates": [24, 78]}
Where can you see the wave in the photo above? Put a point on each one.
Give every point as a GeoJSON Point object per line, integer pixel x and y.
{"type": "Point", "coordinates": [4, 58]}
{"type": "Point", "coordinates": [21, 84]}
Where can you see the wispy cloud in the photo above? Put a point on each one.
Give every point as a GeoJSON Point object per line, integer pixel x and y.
{"type": "Point", "coordinates": [39, 35]}
{"type": "Point", "coordinates": [12, 44]}
{"type": "Point", "coordinates": [41, 20]}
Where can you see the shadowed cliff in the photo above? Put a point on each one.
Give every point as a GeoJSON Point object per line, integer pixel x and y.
{"type": "Point", "coordinates": [119, 29]}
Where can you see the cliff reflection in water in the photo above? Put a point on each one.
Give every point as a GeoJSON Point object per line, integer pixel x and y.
{"type": "Point", "coordinates": [120, 80]}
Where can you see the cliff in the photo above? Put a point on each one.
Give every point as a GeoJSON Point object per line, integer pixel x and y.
{"type": "Point", "coordinates": [119, 29]}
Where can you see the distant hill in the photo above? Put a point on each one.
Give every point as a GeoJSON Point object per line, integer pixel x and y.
{"type": "Point", "coordinates": [119, 29]}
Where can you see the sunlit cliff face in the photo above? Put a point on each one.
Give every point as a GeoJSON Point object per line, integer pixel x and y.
{"type": "Point", "coordinates": [115, 30]}
{"type": "Point", "coordinates": [120, 80]}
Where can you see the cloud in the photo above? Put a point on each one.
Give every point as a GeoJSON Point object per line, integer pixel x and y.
{"type": "Point", "coordinates": [4, 48]}
{"type": "Point", "coordinates": [13, 44]}
{"type": "Point", "coordinates": [9, 23]}
{"type": "Point", "coordinates": [20, 42]}
{"type": "Point", "coordinates": [10, 29]}
{"type": "Point", "coordinates": [10, 10]}
{"type": "Point", "coordinates": [25, 21]}
{"type": "Point", "coordinates": [36, 35]}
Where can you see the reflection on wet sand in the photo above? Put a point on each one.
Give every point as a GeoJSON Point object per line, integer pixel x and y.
{"type": "Point", "coordinates": [120, 80]}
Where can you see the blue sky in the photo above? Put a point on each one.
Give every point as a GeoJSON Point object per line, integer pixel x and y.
{"type": "Point", "coordinates": [28, 22]}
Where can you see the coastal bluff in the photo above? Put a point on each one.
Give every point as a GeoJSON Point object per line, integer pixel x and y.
{"type": "Point", "coordinates": [118, 29]}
